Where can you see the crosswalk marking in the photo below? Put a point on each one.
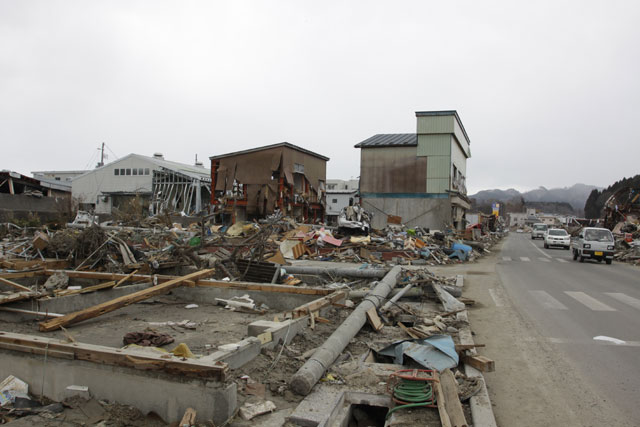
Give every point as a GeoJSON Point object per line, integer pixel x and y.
{"type": "Point", "coordinates": [544, 259]}
{"type": "Point", "coordinates": [524, 258]}
{"type": "Point", "coordinates": [506, 258]}
{"type": "Point", "coordinates": [547, 300]}
{"type": "Point", "coordinates": [561, 260]}
{"type": "Point", "coordinates": [590, 302]}
{"type": "Point", "coordinates": [633, 302]}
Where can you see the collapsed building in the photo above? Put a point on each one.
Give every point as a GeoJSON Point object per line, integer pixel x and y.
{"type": "Point", "coordinates": [257, 182]}
{"type": "Point", "coordinates": [21, 196]}
{"type": "Point", "coordinates": [161, 185]}
{"type": "Point", "coordinates": [419, 177]}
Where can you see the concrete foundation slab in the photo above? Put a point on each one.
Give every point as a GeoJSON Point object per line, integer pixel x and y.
{"type": "Point", "coordinates": [167, 395]}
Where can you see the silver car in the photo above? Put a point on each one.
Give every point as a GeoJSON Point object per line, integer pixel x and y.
{"type": "Point", "coordinates": [557, 237]}
{"type": "Point", "coordinates": [538, 230]}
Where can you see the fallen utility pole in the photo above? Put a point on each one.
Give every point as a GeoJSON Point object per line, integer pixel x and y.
{"type": "Point", "coordinates": [364, 273]}
{"type": "Point", "coordinates": [309, 374]}
{"type": "Point", "coordinates": [123, 301]}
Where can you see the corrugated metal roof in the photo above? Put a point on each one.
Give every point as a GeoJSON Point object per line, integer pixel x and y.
{"type": "Point", "coordinates": [390, 140]}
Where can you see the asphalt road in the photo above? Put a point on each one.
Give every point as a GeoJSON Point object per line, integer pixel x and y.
{"type": "Point", "coordinates": [572, 303]}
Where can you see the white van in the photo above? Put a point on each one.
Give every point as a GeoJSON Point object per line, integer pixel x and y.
{"type": "Point", "coordinates": [594, 243]}
{"type": "Point", "coordinates": [538, 230]}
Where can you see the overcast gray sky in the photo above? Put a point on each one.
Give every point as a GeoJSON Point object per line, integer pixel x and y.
{"type": "Point", "coordinates": [548, 91]}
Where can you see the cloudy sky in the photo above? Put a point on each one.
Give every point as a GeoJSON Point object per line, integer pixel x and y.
{"type": "Point", "coordinates": [547, 91]}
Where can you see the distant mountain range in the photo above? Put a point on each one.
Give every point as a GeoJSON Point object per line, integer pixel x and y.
{"type": "Point", "coordinates": [576, 195]}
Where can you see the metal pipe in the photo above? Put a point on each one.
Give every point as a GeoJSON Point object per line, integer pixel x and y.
{"type": "Point", "coordinates": [309, 374]}
{"type": "Point", "coordinates": [396, 297]}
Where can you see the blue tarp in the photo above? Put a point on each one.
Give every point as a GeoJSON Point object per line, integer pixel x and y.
{"type": "Point", "coordinates": [436, 352]}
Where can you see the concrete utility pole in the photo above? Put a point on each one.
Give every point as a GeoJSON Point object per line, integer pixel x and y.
{"type": "Point", "coordinates": [309, 374]}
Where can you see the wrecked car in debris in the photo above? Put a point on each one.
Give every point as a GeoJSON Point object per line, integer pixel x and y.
{"type": "Point", "coordinates": [354, 220]}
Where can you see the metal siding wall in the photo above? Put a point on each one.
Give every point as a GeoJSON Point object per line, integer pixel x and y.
{"type": "Point", "coordinates": [434, 145]}
{"type": "Point", "coordinates": [392, 170]}
{"type": "Point", "coordinates": [437, 185]}
{"type": "Point", "coordinates": [458, 158]}
{"type": "Point", "coordinates": [436, 124]}
{"type": "Point", "coordinates": [460, 136]}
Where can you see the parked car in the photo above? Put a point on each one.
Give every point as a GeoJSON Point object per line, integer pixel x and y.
{"type": "Point", "coordinates": [595, 243]}
{"type": "Point", "coordinates": [538, 230]}
{"type": "Point", "coordinates": [557, 237]}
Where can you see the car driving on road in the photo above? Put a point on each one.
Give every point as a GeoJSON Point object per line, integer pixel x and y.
{"type": "Point", "coordinates": [557, 237]}
{"type": "Point", "coordinates": [594, 243]}
{"type": "Point", "coordinates": [538, 230]}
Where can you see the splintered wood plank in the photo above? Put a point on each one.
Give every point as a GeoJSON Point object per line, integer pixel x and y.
{"type": "Point", "coordinates": [123, 301]}
{"type": "Point", "coordinates": [266, 287]}
{"type": "Point", "coordinates": [374, 319]}
{"type": "Point", "coordinates": [14, 285]}
{"type": "Point", "coordinates": [451, 399]}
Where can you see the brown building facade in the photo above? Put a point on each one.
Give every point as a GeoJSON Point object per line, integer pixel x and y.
{"type": "Point", "coordinates": [256, 182]}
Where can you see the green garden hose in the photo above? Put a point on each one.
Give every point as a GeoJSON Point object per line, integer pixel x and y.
{"type": "Point", "coordinates": [412, 394]}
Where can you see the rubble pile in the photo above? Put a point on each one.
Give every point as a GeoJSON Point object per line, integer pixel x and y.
{"type": "Point", "coordinates": [627, 236]}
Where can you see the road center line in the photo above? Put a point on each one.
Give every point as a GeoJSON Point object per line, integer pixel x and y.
{"type": "Point", "coordinates": [540, 250]}
{"type": "Point", "coordinates": [590, 302]}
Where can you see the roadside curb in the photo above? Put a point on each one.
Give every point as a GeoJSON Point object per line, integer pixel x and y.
{"type": "Point", "coordinates": [481, 408]}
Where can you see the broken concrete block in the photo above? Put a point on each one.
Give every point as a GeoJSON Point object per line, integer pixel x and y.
{"type": "Point", "coordinates": [77, 391]}
{"type": "Point", "coordinates": [249, 410]}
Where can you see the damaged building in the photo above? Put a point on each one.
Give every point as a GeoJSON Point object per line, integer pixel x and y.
{"type": "Point", "coordinates": [419, 177]}
{"type": "Point", "coordinates": [21, 196]}
{"type": "Point", "coordinates": [159, 184]}
{"type": "Point", "coordinates": [257, 182]}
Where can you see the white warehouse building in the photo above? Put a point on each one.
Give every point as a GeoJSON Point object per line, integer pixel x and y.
{"type": "Point", "coordinates": [162, 184]}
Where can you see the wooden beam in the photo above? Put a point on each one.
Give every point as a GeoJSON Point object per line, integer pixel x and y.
{"type": "Point", "coordinates": [440, 399]}
{"type": "Point", "coordinates": [21, 274]}
{"type": "Point", "coordinates": [463, 347]}
{"type": "Point", "coordinates": [14, 285]}
{"type": "Point", "coordinates": [124, 279]}
{"type": "Point", "coordinates": [123, 301]}
{"type": "Point", "coordinates": [17, 296]}
{"type": "Point", "coordinates": [265, 287]}
{"type": "Point", "coordinates": [408, 331]}
{"type": "Point", "coordinates": [317, 304]}
{"type": "Point", "coordinates": [67, 292]}
{"type": "Point", "coordinates": [451, 399]}
{"type": "Point", "coordinates": [114, 356]}
{"type": "Point", "coordinates": [481, 363]}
